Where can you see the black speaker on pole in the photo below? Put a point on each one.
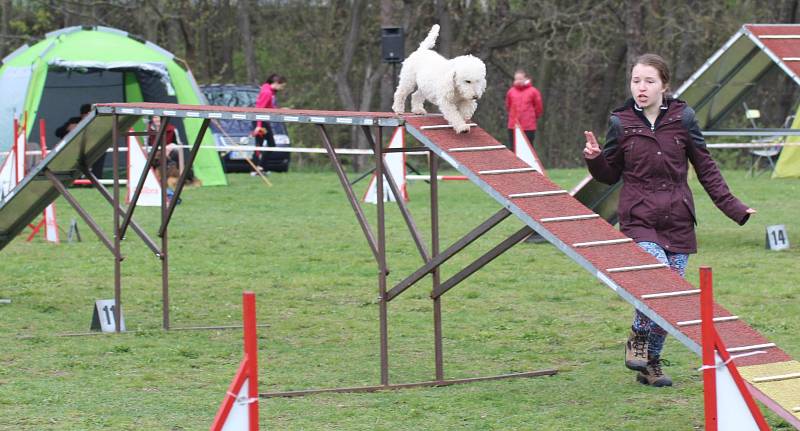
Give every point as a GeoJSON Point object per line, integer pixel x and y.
{"type": "Point", "coordinates": [392, 44]}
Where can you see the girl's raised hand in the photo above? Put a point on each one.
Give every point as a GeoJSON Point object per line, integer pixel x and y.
{"type": "Point", "coordinates": [592, 149]}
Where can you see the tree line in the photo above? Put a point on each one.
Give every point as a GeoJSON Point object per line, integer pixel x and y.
{"type": "Point", "coordinates": [578, 52]}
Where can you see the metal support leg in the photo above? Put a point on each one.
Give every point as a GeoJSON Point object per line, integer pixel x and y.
{"type": "Point", "coordinates": [348, 189]}
{"type": "Point", "coordinates": [184, 173]}
{"type": "Point", "coordinates": [165, 211]}
{"type": "Point", "coordinates": [437, 302]}
{"type": "Point", "coordinates": [135, 226]}
{"type": "Point", "coordinates": [382, 267]}
{"type": "Point", "coordinates": [140, 185]}
{"type": "Point", "coordinates": [117, 232]}
{"type": "Point", "coordinates": [81, 212]}
{"type": "Point", "coordinates": [482, 261]}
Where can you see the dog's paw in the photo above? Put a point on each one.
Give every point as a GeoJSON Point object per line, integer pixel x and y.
{"type": "Point", "coordinates": [461, 128]}
{"type": "Point", "coordinates": [397, 109]}
{"type": "Point", "coordinates": [419, 111]}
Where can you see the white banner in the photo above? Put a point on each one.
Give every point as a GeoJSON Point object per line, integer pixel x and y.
{"type": "Point", "coordinates": [151, 191]}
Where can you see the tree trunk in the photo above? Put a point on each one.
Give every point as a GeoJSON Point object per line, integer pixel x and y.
{"type": "Point", "coordinates": [634, 30]}
{"type": "Point", "coordinates": [5, 17]}
{"type": "Point", "coordinates": [445, 41]}
{"type": "Point", "coordinates": [244, 9]}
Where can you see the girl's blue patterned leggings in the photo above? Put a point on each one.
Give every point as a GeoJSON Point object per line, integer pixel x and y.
{"type": "Point", "coordinates": [641, 323]}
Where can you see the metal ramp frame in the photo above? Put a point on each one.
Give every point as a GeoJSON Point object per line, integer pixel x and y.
{"type": "Point", "coordinates": [546, 209]}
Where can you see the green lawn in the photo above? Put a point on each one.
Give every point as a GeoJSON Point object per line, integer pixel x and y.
{"type": "Point", "coordinates": [298, 246]}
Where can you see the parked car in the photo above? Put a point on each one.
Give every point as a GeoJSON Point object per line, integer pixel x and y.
{"type": "Point", "coordinates": [237, 132]}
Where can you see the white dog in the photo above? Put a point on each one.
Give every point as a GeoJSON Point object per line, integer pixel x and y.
{"type": "Point", "coordinates": [453, 85]}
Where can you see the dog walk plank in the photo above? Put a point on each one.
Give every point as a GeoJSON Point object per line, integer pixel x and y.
{"type": "Point", "coordinates": [649, 285]}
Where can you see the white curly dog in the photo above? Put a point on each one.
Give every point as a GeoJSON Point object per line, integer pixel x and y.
{"type": "Point", "coordinates": [453, 85]}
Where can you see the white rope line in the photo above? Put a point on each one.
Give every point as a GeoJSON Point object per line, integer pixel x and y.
{"type": "Point", "coordinates": [699, 321]}
{"type": "Point", "coordinates": [444, 126]}
{"type": "Point", "coordinates": [755, 346]}
{"type": "Point", "coordinates": [731, 358]}
{"type": "Point", "coordinates": [791, 59]}
{"type": "Point", "coordinates": [534, 194]}
{"type": "Point", "coordinates": [638, 267]}
{"type": "Point", "coordinates": [483, 148]}
{"type": "Point", "coordinates": [506, 171]}
{"type": "Point", "coordinates": [602, 242]}
{"type": "Point", "coordinates": [569, 218]}
{"type": "Point", "coordinates": [345, 151]}
{"type": "Point", "coordinates": [776, 378]}
{"type": "Point", "coordinates": [671, 294]}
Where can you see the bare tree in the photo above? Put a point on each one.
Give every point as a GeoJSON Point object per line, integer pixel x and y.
{"type": "Point", "coordinates": [244, 10]}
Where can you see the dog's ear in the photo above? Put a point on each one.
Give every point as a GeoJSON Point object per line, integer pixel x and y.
{"type": "Point", "coordinates": [482, 87]}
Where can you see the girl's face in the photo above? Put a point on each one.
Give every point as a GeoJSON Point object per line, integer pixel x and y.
{"type": "Point", "coordinates": [520, 79]}
{"type": "Point", "coordinates": [278, 86]}
{"type": "Point", "coordinates": [647, 88]}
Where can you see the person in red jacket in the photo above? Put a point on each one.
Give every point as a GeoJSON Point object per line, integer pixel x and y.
{"type": "Point", "coordinates": [524, 106]}
{"type": "Point", "coordinates": [651, 141]}
{"type": "Point", "coordinates": [266, 99]}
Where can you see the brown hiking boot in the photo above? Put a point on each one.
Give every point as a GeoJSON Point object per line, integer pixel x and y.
{"type": "Point", "coordinates": [636, 352]}
{"type": "Point", "coordinates": [654, 375]}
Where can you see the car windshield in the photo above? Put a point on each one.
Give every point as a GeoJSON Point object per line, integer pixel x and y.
{"type": "Point", "coordinates": [242, 97]}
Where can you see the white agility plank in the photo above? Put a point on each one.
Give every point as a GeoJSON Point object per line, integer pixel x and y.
{"type": "Point", "coordinates": [536, 194]}
{"type": "Point", "coordinates": [638, 267]}
{"type": "Point", "coordinates": [602, 242]}
{"type": "Point", "coordinates": [671, 294]}
{"type": "Point", "coordinates": [699, 321]}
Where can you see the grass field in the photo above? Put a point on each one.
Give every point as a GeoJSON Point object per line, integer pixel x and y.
{"type": "Point", "coordinates": [298, 246]}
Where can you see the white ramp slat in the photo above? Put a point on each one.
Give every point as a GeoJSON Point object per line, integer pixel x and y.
{"type": "Point", "coordinates": [536, 194]}
{"type": "Point", "coordinates": [602, 242]}
{"type": "Point", "coordinates": [671, 294]}
{"type": "Point", "coordinates": [638, 267]}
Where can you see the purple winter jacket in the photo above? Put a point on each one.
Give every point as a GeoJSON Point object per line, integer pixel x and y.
{"type": "Point", "coordinates": [656, 203]}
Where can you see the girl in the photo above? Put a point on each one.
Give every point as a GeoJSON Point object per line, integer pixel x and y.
{"type": "Point", "coordinates": [649, 143]}
{"type": "Point", "coordinates": [266, 99]}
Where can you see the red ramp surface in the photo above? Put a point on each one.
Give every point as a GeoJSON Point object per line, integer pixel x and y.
{"type": "Point", "coordinates": [610, 256]}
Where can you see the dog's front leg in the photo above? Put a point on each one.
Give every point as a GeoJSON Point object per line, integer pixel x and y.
{"type": "Point", "coordinates": [453, 116]}
{"type": "Point", "coordinates": [467, 109]}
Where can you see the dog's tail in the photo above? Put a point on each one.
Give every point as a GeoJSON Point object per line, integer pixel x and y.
{"type": "Point", "coordinates": [430, 40]}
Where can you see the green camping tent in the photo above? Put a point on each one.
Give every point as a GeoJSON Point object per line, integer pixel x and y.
{"type": "Point", "coordinates": [78, 65]}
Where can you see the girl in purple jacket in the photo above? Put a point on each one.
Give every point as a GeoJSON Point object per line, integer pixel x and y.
{"type": "Point", "coordinates": [650, 141]}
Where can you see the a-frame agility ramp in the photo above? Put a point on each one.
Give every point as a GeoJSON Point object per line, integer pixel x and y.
{"type": "Point", "coordinates": [771, 374]}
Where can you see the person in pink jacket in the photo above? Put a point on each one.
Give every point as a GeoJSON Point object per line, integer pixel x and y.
{"type": "Point", "coordinates": [266, 99]}
{"type": "Point", "coordinates": [524, 106]}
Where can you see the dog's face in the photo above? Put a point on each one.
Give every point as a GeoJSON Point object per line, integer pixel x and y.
{"type": "Point", "coordinates": [469, 77]}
